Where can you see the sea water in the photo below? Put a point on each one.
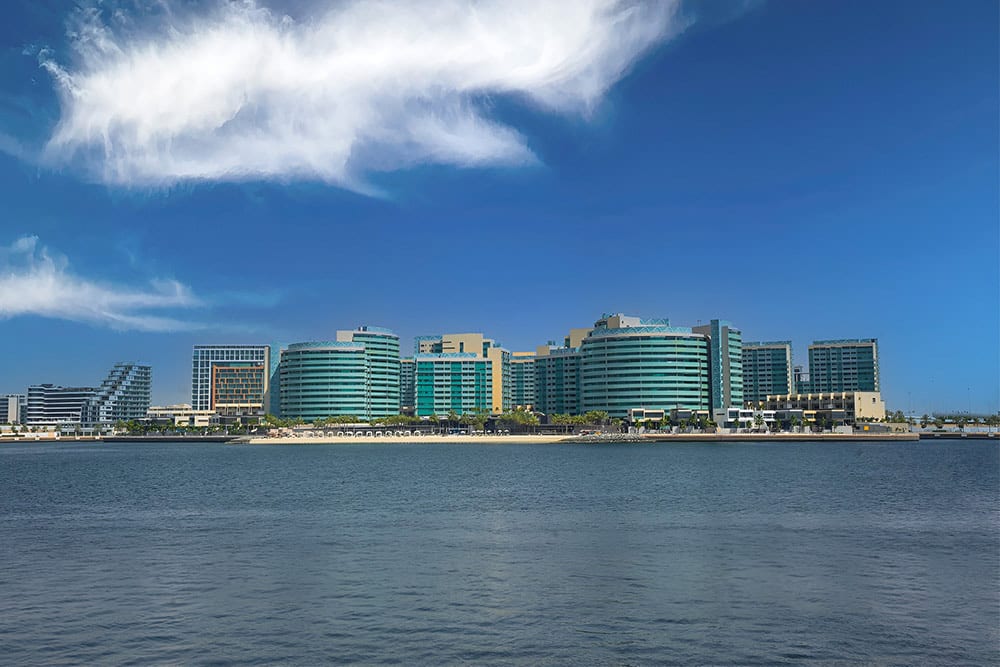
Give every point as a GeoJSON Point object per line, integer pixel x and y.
{"type": "Point", "coordinates": [749, 553]}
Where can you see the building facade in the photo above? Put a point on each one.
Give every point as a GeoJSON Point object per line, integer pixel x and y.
{"type": "Point", "coordinates": [628, 363]}
{"type": "Point", "coordinates": [12, 408]}
{"type": "Point", "coordinates": [726, 367]}
{"type": "Point", "coordinates": [501, 394]}
{"type": "Point", "coordinates": [51, 405]}
{"type": "Point", "coordinates": [231, 380]}
{"type": "Point", "coordinates": [124, 395]}
{"type": "Point", "coordinates": [844, 365]}
{"type": "Point", "coordinates": [181, 415]}
{"type": "Point", "coordinates": [323, 379]}
{"type": "Point", "coordinates": [767, 370]}
{"type": "Point", "coordinates": [452, 382]}
{"type": "Point", "coordinates": [557, 380]}
{"type": "Point", "coordinates": [407, 386]}
{"type": "Point", "coordinates": [382, 368]}
{"type": "Point", "coordinates": [853, 405]}
{"type": "Point", "coordinates": [522, 380]}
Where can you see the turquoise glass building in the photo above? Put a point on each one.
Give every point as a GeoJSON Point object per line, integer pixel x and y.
{"type": "Point", "coordinates": [407, 385]}
{"type": "Point", "coordinates": [522, 380]}
{"type": "Point", "coordinates": [643, 364]}
{"type": "Point", "coordinates": [844, 365]}
{"type": "Point", "coordinates": [323, 379]}
{"type": "Point", "coordinates": [726, 351]}
{"type": "Point", "coordinates": [557, 381]}
{"type": "Point", "coordinates": [382, 368]}
{"type": "Point", "coordinates": [767, 370]}
{"type": "Point", "coordinates": [459, 382]}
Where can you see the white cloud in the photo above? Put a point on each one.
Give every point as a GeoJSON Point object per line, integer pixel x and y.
{"type": "Point", "coordinates": [35, 282]}
{"type": "Point", "coordinates": [246, 93]}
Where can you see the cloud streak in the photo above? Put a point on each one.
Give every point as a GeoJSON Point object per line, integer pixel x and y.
{"type": "Point", "coordinates": [245, 93]}
{"type": "Point", "coordinates": [35, 282]}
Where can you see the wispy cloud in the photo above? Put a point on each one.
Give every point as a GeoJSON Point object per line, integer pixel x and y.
{"type": "Point", "coordinates": [247, 93]}
{"type": "Point", "coordinates": [34, 281]}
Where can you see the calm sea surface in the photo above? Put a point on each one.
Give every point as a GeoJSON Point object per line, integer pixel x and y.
{"type": "Point", "coordinates": [797, 553]}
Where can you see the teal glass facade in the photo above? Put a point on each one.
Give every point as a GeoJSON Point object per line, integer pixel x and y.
{"type": "Point", "coordinates": [522, 381]}
{"type": "Point", "coordinates": [726, 352]}
{"type": "Point", "coordinates": [383, 372]}
{"type": "Point", "coordinates": [844, 365]}
{"type": "Point", "coordinates": [452, 382]}
{"type": "Point", "coordinates": [407, 384]}
{"type": "Point", "coordinates": [655, 367]}
{"type": "Point", "coordinates": [557, 382]}
{"type": "Point", "coordinates": [767, 370]}
{"type": "Point", "coordinates": [323, 379]}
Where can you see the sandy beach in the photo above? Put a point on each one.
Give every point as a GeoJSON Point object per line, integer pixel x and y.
{"type": "Point", "coordinates": [414, 439]}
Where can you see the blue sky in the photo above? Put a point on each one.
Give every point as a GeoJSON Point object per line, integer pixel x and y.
{"type": "Point", "coordinates": [277, 172]}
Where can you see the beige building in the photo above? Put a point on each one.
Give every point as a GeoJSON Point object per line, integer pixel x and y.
{"type": "Point", "coordinates": [856, 405]}
{"type": "Point", "coordinates": [482, 347]}
{"type": "Point", "coordinates": [182, 414]}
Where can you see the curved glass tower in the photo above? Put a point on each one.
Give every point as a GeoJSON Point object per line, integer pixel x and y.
{"type": "Point", "coordinates": [382, 359]}
{"type": "Point", "coordinates": [323, 379]}
{"type": "Point", "coordinates": [652, 366]}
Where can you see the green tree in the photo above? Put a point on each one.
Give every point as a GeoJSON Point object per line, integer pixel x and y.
{"type": "Point", "coordinates": [758, 421]}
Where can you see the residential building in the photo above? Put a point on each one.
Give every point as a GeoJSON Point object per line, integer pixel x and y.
{"type": "Point", "coordinates": [323, 379]}
{"type": "Point", "coordinates": [51, 405]}
{"type": "Point", "coordinates": [231, 380]}
{"type": "Point", "coordinates": [800, 380]}
{"type": "Point", "coordinates": [453, 382]}
{"type": "Point", "coordinates": [846, 406]}
{"type": "Point", "coordinates": [726, 367]}
{"type": "Point", "coordinates": [522, 380]}
{"type": "Point", "coordinates": [124, 395]}
{"type": "Point", "coordinates": [407, 386]}
{"type": "Point", "coordinates": [767, 370]}
{"type": "Point", "coordinates": [844, 365]}
{"type": "Point", "coordinates": [557, 380]}
{"type": "Point", "coordinates": [12, 408]}
{"type": "Point", "coordinates": [482, 347]}
{"type": "Point", "coordinates": [627, 362]}
{"type": "Point", "coordinates": [382, 366]}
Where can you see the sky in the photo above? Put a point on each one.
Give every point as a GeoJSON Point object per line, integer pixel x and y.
{"type": "Point", "coordinates": [176, 172]}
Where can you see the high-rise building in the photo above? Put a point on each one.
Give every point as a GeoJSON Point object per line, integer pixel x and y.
{"type": "Point", "coordinates": [726, 350]}
{"type": "Point", "coordinates": [800, 380]}
{"type": "Point", "coordinates": [382, 367]}
{"type": "Point", "coordinates": [557, 380]}
{"type": "Point", "coordinates": [12, 407]}
{"type": "Point", "coordinates": [232, 380]}
{"type": "Point", "coordinates": [51, 405]}
{"type": "Point", "coordinates": [124, 395]}
{"type": "Point", "coordinates": [324, 379]}
{"type": "Point", "coordinates": [631, 363]}
{"type": "Point", "coordinates": [407, 385]}
{"type": "Point", "coordinates": [453, 382]}
{"type": "Point", "coordinates": [482, 347]}
{"type": "Point", "coordinates": [767, 370]}
{"type": "Point", "coordinates": [844, 365]}
{"type": "Point", "coordinates": [522, 380]}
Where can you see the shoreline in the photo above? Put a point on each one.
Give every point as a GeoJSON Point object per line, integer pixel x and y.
{"type": "Point", "coordinates": [583, 440]}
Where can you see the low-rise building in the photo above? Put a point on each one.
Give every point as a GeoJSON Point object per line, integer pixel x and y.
{"type": "Point", "coordinates": [845, 407]}
{"type": "Point", "coordinates": [181, 415]}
